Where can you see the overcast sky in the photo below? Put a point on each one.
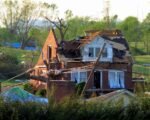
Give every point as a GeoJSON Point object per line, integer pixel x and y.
{"type": "Point", "coordinates": [94, 8]}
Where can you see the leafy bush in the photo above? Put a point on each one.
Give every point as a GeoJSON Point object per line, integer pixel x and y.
{"type": "Point", "coordinates": [28, 87]}
{"type": "Point", "coordinates": [7, 58]}
{"type": "Point", "coordinates": [73, 109]}
{"type": "Point", "coordinates": [79, 87]}
{"type": "Point", "coordinates": [9, 66]}
{"type": "Point", "coordinates": [41, 92]}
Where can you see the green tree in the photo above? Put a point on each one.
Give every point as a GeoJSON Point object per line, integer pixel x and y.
{"type": "Point", "coordinates": [131, 29]}
{"type": "Point", "coordinates": [78, 26]}
{"type": "Point", "coordinates": [38, 34]}
{"type": "Point", "coordinates": [60, 24]}
{"type": "Point", "coordinates": [19, 17]}
{"type": "Point", "coordinates": [146, 32]}
{"type": "Point", "coordinates": [6, 36]}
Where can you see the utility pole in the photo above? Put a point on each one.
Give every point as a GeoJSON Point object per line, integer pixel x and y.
{"type": "Point", "coordinates": [106, 13]}
{"type": "Point", "coordinates": [94, 66]}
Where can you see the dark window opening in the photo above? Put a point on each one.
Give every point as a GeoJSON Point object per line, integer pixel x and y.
{"type": "Point", "coordinates": [49, 53]}
{"type": "Point", "coordinates": [91, 52]}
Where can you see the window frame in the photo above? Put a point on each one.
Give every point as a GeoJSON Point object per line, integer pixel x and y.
{"type": "Point", "coordinates": [95, 54]}
{"type": "Point", "coordinates": [78, 72]}
{"type": "Point", "coordinates": [115, 83]}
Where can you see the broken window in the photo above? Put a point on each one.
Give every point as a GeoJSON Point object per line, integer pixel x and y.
{"type": "Point", "coordinates": [97, 50]}
{"type": "Point", "coordinates": [105, 52]}
{"type": "Point", "coordinates": [91, 52]}
{"type": "Point", "coordinates": [116, 79]}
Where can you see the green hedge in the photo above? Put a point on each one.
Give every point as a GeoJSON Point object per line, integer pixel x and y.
{"type": "Point", "coordinates": [75, 110]}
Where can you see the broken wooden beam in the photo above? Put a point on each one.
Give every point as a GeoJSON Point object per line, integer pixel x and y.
{"type": "Point", "coordinates": [94, 66]}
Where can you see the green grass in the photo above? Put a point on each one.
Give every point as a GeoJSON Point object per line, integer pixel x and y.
{"type": "Point", "coordinates": [139, 67]}
{"type": "Point", "coordinates": [11, 83]}
{"type": "Point", "coordinates": [22, 55]}
{"type": "Point", "coordinates": [142, 59]}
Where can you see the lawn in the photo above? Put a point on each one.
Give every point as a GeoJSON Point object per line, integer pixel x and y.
{"type": "Point", "coordinates": [142, 59]}
{"type": "Point", "coordinates": [142, 65]}
{"type": "Point", "coordinates": [140, 50]}
{"type": "Point", "coordinates": [12, 83]}
{"type": "Point", "coordinates": [22, 55]}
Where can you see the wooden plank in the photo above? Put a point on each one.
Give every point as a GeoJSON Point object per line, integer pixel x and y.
{"type": "Point", "coordinates": [94, 66]}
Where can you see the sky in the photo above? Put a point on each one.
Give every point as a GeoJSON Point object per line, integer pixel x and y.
{"type": "Point", "coordinates": [95, 8]}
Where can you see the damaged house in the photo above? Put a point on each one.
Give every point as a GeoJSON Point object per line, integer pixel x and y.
{"type": "Point", "coordinates": [77, 57]}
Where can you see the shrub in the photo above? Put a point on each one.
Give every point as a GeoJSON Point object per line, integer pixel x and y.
{"type": "Point", "coordinates": [41, 92]}
{"type": "Point", "coordinates": [28, 87]}
{"type": "Point", "coordinates": [74, 109]}
{"type": "Point", "coordinates": [79, 87]}
{"type": "Point", "coordinates": [9, 65]}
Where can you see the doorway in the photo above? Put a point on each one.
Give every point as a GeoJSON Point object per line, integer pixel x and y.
{"type": "Point", "coordinates": [98, 79]}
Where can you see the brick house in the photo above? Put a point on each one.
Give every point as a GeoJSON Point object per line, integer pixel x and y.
{"type": "Point", "coordinates": [113, 72]}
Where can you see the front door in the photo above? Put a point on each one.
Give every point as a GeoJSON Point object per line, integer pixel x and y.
{"type": "Point", "coordinates": [97, 79]}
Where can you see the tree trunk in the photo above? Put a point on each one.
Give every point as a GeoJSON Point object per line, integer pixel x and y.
{"type": "Point", "coordinates": [22, 45]}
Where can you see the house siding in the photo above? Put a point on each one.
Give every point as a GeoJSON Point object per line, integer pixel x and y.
{"type": "Point", "coordinates": [60, 60]}
{"type": "Point", "coordinates": [105, 67]}
{"type": "Point", "coordinates": [97, 43]}
{"type": "Point", "coordinates": [50, 41]}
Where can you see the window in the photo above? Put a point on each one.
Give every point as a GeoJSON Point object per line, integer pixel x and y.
{"type": "Point", "coordinates": [79, 76]}
{"type": "Point", "coordinates": [97, 51]}
{"type": "Point", "coordinates": [91, 52]}
{"type": "Point", "coordinates": [116, 79]}
{"type": "Point", "coordinates": [83, 76]}
{"type": "Point", "coordinates": [104, 53]}
{"type": "Point", "coordinates": [74, 76]}
{"type": "Point", "coordinates": [49, 53]}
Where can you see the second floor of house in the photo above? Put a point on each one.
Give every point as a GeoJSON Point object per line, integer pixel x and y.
{"type": "Point", "coordinates": [87, 49]}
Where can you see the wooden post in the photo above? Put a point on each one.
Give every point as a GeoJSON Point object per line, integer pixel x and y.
{"type": "Point", "coordinates": [94, 66]}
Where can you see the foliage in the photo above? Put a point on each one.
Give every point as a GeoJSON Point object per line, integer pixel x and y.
{"type": "Point", "coordinates": [129, 26]}
{"type": "Point", "coordinates": [9, 65]}
{"type": "Point", "coordinates": [19, 17]}
{"type": "Point", "coordinates": [41, 92]}
{"type": "Point", "coordinates": [145, 26]}
{"type": "Point", "coordinates": [11, 61]}
{"type": "Point", "coordinates": [79, 87]}
{"type": "Point", "coordinates": [28, 87]}
{"type": "Point", "coordinates": [21, 55]}
{"type": "Point", "coordinates": [6, 36]}
{"type": "Point", "coordinates": [39, 35]}
{"type": "Point", "coordinates": [55, 21]}
{"type": "Point", "coordinates": [76, 110]}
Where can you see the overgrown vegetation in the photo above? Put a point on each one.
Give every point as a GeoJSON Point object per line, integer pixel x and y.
{"type": "Point", "coordinates": [79, 87]}
{"type": "Point", "coordinates": [9, 65]}
{"type": "Point", "coordinates": [72, 109]}
{"type": "Point", "coordinates": [15, 61]}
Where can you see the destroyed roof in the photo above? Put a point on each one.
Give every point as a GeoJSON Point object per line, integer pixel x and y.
{"type": "Point", "coordinates": [113, 37]}
{"type": "Point", "coordinates": [69, 50]}
{"type": "Point", "coordinates": [112, 95]}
